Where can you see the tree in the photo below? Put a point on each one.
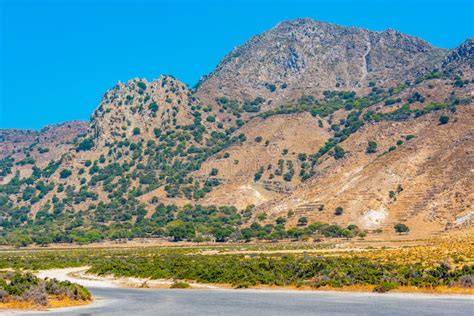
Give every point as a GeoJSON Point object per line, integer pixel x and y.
{"type": "Point", "coordinates": [401, 228]}
{"type": "Point", "coordinates": [280, 221]}
{"type": "Point", "coordinates": [136, 131]}
{"type": "Point", "coordinates": [86, 144]}
{"type": "Point", "coordinates": [339, 152]}
{"type": "Point", "coordinates": [222, 233]}
{"type": "Point", "coordinates": [253, 106]}
{"type": "Point", "coordinates": [443, 119]}
{"type": "Point", "coordinates": [141, 85]}
{"type": "Point", "coordinates": [65, 173]}
{"type": "Point", "coordinates": [371, 147]}
{"type": "Point", "coordinates": [214, 172]}
{"type": "Point", "coordinates": [339, 210]}
{"type": "Point", "coordinates": [302, 221]}
{"type": "Point", "coordinates": [258, 174]}
{"type": "Point", "coordinates": [180, 230]}
{"type": "Point", "coordinates": [153, 107]}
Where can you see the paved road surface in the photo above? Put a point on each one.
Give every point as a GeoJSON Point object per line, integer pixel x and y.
{"type": "Point", "coordinates": [119, 301]}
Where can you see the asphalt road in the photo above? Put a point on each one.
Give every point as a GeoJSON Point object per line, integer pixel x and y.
{"type": "Point", "coordinates": [120, 301]}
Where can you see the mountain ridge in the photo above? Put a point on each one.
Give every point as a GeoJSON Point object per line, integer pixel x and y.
{"type": "Point", "coordinates": [233, 155]}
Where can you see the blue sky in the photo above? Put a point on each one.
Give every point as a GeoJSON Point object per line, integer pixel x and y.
{"type": "Point", "coordinates": [57, 58]}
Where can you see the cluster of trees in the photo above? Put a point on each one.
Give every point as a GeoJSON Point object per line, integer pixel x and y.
{"type": "Point", "coordinates": [57, 222]}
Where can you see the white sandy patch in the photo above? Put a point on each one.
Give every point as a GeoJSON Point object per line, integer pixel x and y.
{"type": "Point", "coordinates": [79, 276]}
{"type": "Point", "coordinates": [249, 192]}
{"type": "Point", "coordinates": [373, 219]}
{"type": "Point", "coordinates": [461, 219]}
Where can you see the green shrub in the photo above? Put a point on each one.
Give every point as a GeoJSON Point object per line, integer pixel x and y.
{"type": "Point", "coordinates": [401, 228]}
{"type": "Point", "coordinates": [65, 173]}
{"type": "Point", "coordinates": [302, 221]}
{"type": "Point", "coordinates": [85, 144]}
{"type": "Point", "coordinates": [443, 119]}
{"type": "Point", "coordinates": [371, 147]}
{"type": "Point", "coordinates": [339, 152]}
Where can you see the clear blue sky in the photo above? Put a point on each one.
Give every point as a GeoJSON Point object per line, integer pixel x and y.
{"type": "Point", "coordinates": [57, 58]}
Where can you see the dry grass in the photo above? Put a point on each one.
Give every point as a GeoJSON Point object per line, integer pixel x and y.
{"type": "Point", "coordinates": [53, 302]}
{"type": "Point", "coordinates": [457, 250]}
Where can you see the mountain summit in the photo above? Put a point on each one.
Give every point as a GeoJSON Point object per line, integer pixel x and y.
{"type": "Point", "coordinates": [305, 56]}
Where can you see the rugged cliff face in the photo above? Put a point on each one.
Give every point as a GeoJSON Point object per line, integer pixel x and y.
{"type": "Point", "coordinates": [333, 124]}
{"type": "Point", "coordinates": [307, 57]}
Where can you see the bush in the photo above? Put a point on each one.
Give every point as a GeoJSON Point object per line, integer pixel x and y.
{"type": "Point", "coordinates": [371, 147]}
{"type": "Point", "coordinates": [401, 228]}
{"type": "Point", "coordinates": [339, 210]}
{"type": "Point", "coordinates": [36, 294]}
{"type": "Point", "coordinates": [416, 97]}
{"type": "Point", "coordinates": [443, 119]}
{"type": "Point", "coordinates": [303, 221]}
{"type": "Point", "coordinates": [280, 221]}
{"type": "Point", "coordinates": [27, 287]}
{"type": "Point", "coordinates": [153, 107]}
{"type": "Point", "coordinates": [3, 296]}
{"type": "Point", "coordinates": [253, 106]}
{"type": "Point", "coordinates": [85, 145]}
{"type": "Point", "coordinates": [65, 173]}
{"type": "Point", "coordinates": [466, 281]}
{"type": "Point", "coordinates": [339, 152]}
{"type": "Point", "coordinates": [258, 174]}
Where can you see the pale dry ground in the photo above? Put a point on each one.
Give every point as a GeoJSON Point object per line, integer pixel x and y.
{"type": "Point", "coordinates": [80, 276]}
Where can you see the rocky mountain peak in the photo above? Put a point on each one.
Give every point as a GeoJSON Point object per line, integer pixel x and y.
{"type": "Point", "coordinates": [134, 109]}
{"type": "Point", "coordinates": [304, 56]}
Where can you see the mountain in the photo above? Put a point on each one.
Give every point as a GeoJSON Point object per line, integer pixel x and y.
{"type": "Point", "coordinates": [302, 131]}
{"type": "Point", "coordinates": [304, 56]}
